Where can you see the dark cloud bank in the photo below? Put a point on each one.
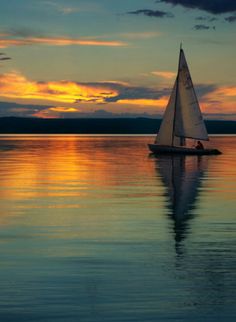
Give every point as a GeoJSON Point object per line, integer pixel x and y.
{"type": "Point", "coordinates": [152, 13]}
{"type": "Point", "coordinates": [212, 6]}
{"type": "Point", "coordinates": [231, 18]}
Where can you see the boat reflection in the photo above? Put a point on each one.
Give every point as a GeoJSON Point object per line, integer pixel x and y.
{"type": "Point", "coordinates": [182, 177]}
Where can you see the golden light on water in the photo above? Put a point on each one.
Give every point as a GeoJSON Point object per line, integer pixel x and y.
{"type": "Point", "coordinates": [71, 162]}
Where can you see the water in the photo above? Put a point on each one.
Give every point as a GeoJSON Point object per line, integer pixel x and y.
{"type": "Point", "coordinates": [94, 229]}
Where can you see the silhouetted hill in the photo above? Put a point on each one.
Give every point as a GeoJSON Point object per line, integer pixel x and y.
{"type": "Point", "coordinates": [98, 126]}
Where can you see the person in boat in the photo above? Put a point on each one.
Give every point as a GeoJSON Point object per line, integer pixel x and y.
{"type": "Point", "coordinates": [199, 146]}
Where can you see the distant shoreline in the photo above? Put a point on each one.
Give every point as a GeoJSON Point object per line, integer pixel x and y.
{"type": "Point", "coordinates": [17, 125]}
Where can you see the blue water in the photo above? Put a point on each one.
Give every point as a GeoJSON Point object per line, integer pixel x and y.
{"type": "Point", "coordinates": [93, 228]}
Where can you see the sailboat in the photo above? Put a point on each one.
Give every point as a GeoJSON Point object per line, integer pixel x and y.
{"type": "Point", "coordinates": [182, 118]}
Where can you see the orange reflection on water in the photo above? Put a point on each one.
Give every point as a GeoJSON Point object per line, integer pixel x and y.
{"type": "Point", "coordinates": [70, 172]}
{"type": "Point", "coordinates": [222, 173]}
{"type": "Point", "coordinates": [77, 186]}
{"type": "Point", "coordinates": [62, 174]}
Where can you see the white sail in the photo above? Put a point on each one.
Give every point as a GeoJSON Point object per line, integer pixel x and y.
{"type": "Point", "coordinates": [182, 118]}
{"type": "Point", "coordinates": [188, 118]}
{"type": "Point", "coordinates": [165, 134]}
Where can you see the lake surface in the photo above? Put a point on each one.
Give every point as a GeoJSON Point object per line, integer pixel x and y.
{"type": "Point", "coordinates": [92, 229]}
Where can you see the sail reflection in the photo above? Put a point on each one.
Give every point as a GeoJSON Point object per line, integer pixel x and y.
{"type": "Point", "coordinates": [182, 177]}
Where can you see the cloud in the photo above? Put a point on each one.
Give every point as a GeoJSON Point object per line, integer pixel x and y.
{"type": "Point", "coordinates": [161, 102]}
{"type": "Point", "coordinates": [128, 92]}
{"type": "Point", "coordinates": [63, 109]}
{"type": "Point", "coordinates": [212, 6]}
{"type": "Point", "coordinates": [29, 110]}
{"type": "Point", "coordinates": [4, 57]}
{"type": "Point", "coordinates": [220, 116]}
{"type": "Point", "coordinates": [140, 35]}
{"type": "Point", "coordinates": [16, 86]}
{"type": "Point", "coordinates": [68, 10]}
{"type": "Point", "coordinates": [220, 100]}
{"type": "Point", "coordinates": [13, 39]}
{"type": "Point", "coordinates": [231, 18]}
{"type": "Point", "coordinates": [204, 89]}
{"type": "Point", "coordinates": [60, 8]}
{"type": "Point", "coordinates": [101, 113]}
{"type": "Point", "coordinates": [206, 18]}
{"type": "Point", "coordinates": [14, 109]}
{"type": "Point", "coordinates": [203, 27]}
{"type": "Point", "coordinates": [152, 13]}
{"type": "Point", "coordinates": [164, 74]}
{"type": "Point", "coordinates": [21, 32]}
{"type": "Point", "coordinates": [227, 91]}
{"type": "Point", "coordinates": [61, 98]}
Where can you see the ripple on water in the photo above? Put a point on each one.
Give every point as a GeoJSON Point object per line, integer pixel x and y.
{"type": "Point", "coordinates": [94, 229]}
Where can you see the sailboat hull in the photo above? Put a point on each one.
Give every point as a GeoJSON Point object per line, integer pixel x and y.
{"type": "Point", "coordinates": [165, 149]}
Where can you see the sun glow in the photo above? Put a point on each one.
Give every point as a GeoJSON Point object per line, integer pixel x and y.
{"type": "Point", "coordinates": [74, 97]}
{"type": "Point", "coordinates": [162, 102]}
{"type": "Point", "coordinates": [15, 85]}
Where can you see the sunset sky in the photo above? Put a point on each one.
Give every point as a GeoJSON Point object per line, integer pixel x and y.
{"type": "Point", "coordinates": [72, 58]}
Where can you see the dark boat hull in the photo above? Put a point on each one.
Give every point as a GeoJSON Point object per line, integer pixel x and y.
{"type": "Point", "coordinates": [164, 149]}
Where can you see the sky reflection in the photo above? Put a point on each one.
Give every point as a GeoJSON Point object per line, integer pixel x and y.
{"type": "Point", "coordinates": [93, 229]}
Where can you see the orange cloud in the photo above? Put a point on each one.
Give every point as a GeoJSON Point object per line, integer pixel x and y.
{"type": "Point", "coordinates": [53, 112]}
{"type": "Point", "coordinates": [56, 41]}
{"type": "Point", "coordinates": [64, 94]}
{"type": "Point", "coordinates": [226, 91]}
{"type": "Point", "coordinates": [162, 102]}
{"type": "Point", "coordinates": [63, 109]}
{"type": "Point", "coordinates": [15, 85]}
{"type": "Point", "coordinates": [221, 100]}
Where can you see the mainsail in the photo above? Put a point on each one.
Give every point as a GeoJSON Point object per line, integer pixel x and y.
{"type": "Point", "coordinates": [182, 118]}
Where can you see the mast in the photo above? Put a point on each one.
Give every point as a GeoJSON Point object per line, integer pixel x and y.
{"type": "Point", "coordinates": [182, 139]}
{"type": "Point", "coordinates": [176, 97]}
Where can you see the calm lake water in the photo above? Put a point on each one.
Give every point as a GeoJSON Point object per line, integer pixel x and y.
{"type": "Point", "coordinates": [93, 229]}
